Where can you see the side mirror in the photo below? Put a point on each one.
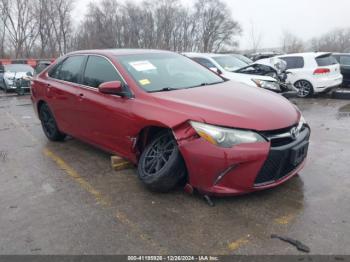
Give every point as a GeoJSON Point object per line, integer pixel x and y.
{"type": "Point", "coordinates": [112, 88]}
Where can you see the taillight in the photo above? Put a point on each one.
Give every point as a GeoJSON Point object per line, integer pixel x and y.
{"type": "Point", "coordinates": [320, 71]}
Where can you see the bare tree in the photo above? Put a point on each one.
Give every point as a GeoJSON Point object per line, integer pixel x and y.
{"type": "Point", "coordinates": [216, 27]}
{"type": "Point", "coordinates": [255, 37]}
{"type": "Point", "coordinates": [2, 34]}
{"type": "Point", "coordinates": [19, 25]}
{"type": "Point", "coordinates": [291, 43]}
{"type": "Point", "coordinates": [337, 40]}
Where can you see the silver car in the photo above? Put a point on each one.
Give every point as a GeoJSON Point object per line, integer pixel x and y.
{"type": "Point", "coordinates": [13, 75]}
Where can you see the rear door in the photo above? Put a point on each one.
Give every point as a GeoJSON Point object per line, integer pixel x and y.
{"type": "Point", "coordinates": [295, 65]}
{"type": "Point", "coordinates": [61, 92]}
{"type": "Point", "coordinates": [104, 119]}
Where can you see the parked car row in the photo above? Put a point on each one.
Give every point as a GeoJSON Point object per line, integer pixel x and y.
{"type": "Point", "coordinates": [15, 77]}
{"type": "Point", "coordinates": [178, 121]}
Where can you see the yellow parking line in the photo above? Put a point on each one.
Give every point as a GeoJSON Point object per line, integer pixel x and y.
{"type": "Point", "coordinates": [77, 178]}
{"type": "Point", "coordinates": [285, 220]}
{"type": "Point", "coordinates": [233, 246]}
{"type": "Point", "coordinates": [90, 189]}
{"type": "Point", "coordinates": [122, 217]}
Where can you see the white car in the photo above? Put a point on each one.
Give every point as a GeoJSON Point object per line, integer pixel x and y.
{"type": "Point", "coordinates": [312, 72]}
{"type": "Point", "coordinates": [225, 65]}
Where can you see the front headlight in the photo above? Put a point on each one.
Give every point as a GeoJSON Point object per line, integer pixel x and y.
{"type": "Point", "coordinates": [302, 122]}
{"type": "Point", "coordinates": [225, 137]}
{"type": "Point", "coordinates": [273, 85]}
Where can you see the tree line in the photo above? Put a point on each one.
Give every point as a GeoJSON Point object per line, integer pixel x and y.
{"type": "Point", "coordinates": [44, 28]}
{"type": "Point", "coordinates": [337, 40]}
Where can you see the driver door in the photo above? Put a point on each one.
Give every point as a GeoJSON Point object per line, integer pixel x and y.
{"type": "Point", "coordinates": [104, 119]}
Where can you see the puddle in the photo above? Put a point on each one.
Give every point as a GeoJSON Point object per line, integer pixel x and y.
{"type": "Point", "coordinates": [344, 111]}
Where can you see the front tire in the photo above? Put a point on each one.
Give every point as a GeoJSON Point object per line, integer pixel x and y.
{"type": "Point", "coordinates": [305, 88]}
{"type": "Point", "coordinates": [161, 166]}
{"type": "Point", "coordinates": [49, 125]}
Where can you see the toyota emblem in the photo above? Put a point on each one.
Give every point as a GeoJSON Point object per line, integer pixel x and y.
{"type": "Point", "coordinates": [294, 132]}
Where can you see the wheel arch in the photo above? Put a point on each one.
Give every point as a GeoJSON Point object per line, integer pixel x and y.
{"type": "Point", "coordinates": [145, 136]}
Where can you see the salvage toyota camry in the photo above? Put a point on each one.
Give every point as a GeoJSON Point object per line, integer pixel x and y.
{"type": "Point", "coordinates": [178, 121]}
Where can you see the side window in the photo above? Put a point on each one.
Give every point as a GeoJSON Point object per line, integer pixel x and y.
{"type": "Point", "coordinates": [337, 57]}
{"type": "Point", "coordinates": [293, 62]}
{"type": "Point", "coordinates": [204, 62]}
{"type": "Point", "coordinates": [68, 70]}
{"type": "Point", "coordinates": [99, 70]}
{"type": "Point", "coordinates": [345, 60]}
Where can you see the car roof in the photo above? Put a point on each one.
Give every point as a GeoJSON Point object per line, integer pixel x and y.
{"type": "Point", "coordinates": [306, 54]}
{"type": "Point", "coordinates": [347, 54]}
{"type": "Point", "coordinates": [119, 52]}
{"type": "Point", "coordinates": [204, 55]}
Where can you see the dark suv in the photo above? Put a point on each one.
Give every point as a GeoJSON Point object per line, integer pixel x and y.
{"type": "Point", "coordinates": [344, 61]}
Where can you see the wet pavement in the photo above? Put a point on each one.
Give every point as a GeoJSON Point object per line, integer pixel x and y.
{"type": "Point", "coordinates": [64, 198]}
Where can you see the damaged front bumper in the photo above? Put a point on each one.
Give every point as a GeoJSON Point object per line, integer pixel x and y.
{"type": "Point", "coordinates": [243, 168]}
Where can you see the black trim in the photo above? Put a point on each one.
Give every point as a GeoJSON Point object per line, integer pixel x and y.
{"type": "Point", "coordinates": [279, 161]}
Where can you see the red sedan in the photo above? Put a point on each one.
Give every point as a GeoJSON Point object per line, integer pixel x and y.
{"type": "Point", "coordinates": [180, 122]}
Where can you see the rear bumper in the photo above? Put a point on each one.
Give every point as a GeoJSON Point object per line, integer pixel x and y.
{"type": "Point", "coordinates": [241, 169]}
{"type": "Point", "coordinates": [325, 84]}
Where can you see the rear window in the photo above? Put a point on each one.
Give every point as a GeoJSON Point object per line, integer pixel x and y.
{"type": "Point", "coordinates": [326, 60]}
{"type": "Point", "coordinates": [204, 62]}
{"type": "Point", "coordinates": [68, 70]}
{"type": "Point", "coordinates": [293, 62]}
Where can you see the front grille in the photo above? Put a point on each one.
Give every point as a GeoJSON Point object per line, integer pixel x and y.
{"type": "Point", "coordinates": [278, 163]}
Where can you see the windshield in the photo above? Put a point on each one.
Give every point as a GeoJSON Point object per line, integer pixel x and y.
{"type": "Point", "coordinates": [15, 68]}
{"type": "Point", "coordinates": [167, 71]}
{"type": "Point", "coordinates": [243, 58]}
{"type": "Point", "coordinates": [229, 63]}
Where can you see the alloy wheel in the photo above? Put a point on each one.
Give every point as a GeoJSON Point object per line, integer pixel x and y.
{"type": "Point", "coordinates": [158, 155]}
{"type": "Point", "coordinates": [304, 88]}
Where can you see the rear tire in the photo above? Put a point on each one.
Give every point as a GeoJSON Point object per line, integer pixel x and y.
{"type": "Point", "coordinates": [49, 125]}
{"type": "Point", "coordinates": [161, 167]}
{"type": "Point", "coordinates": [5, 88]}
{"type": "Point", "coordinates": [305, 88]}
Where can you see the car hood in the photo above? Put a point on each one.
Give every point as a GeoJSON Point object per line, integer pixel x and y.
{"type": "Point", "coordinates": [17, 75]}
{"type": "Point", "coordinates": [231, 104]}
{"type": "Point", "coordinates": [238, 76]}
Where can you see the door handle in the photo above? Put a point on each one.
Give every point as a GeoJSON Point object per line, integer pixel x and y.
{"type": "Point", "coordinates": [81, 96]}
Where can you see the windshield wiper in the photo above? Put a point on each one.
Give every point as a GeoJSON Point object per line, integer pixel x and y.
{"type": "Point", "coordinates": [163, 89]}
{"type": "Point", "coordinates": [205, 84]}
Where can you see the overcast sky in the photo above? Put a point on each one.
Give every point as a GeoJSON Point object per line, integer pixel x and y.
{"type": "Point", "coordinates": [304, 18]}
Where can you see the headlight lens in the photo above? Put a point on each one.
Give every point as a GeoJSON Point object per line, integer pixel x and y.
{"type": "Point", "coordinates": [225, 137]}
{"type": "Point", "coordinates": [267, 84]}
{"type": "Point", "coordinates": [302, 122]}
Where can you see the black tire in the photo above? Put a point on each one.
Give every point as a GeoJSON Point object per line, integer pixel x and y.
{"type": "Point", "coordinates": [49, 125]}
{"type": "Point", "coordinates": [161, 167]}
{"type": "Point", "coordinates": [305, 88]}
{"type": "Point", "coordinates": [5, 88]}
